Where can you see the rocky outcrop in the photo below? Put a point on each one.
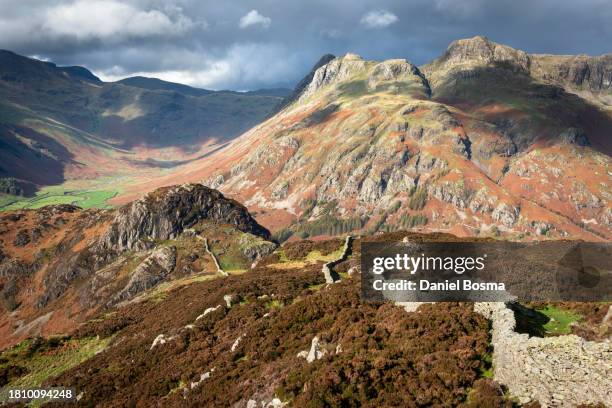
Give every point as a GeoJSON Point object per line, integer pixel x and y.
{"type": "Point", "coordinates": [316, 351]}
{"type": "Point", "coordinates": [207, 312]}
{"type": "Point", "coordinates": [580, 72]}
{"type": "Point", "coordinates": [575, 136]}
{"type": "Point", "coordinates": [482, 51]}
{"type": "Point", "coordinates": [571, 72]}
{"type": "Point", "coordinates": [166, 212]}
{"type": "Point", "coordinates": [505, 214]}
{"type": "Point", "coordinates": [160, 340]}
{"type": "Point", "coordinates": [150, 272]}
{"type": "Point", "coordinates": [255, 248]}
{"type": "Point", "coordinates": [396, 70]}
{"type": "Point", "coordinates": [229, 299]}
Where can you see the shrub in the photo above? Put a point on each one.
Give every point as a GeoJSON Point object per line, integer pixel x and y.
{"type": "Point", "coordinates": [411, 221]}
{"type": "Point", "coordinates": [418, 199]}
{"type": "Point", "coordinates": [282, 235]}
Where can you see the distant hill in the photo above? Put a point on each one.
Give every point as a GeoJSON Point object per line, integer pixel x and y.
{"type": "Point", "coordinates": [155, 84]}
{"type": "Point", "coordinates": [60, 123]}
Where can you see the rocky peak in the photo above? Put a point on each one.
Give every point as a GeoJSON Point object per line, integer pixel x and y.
{"type": "Point", "coordinates": [396, 70]}
{"type": "Point", "coordinates": [166, 212]}
{"type": "Point", "coordinates": [336, 70]}
{"type": "Point", "coordinates": [571, 72]}
{"type": "Point", "coordinates": [303, 84]}
{"type": "Point", "coordinates": [480, 49]}
{"type": "Point", "coordinates": [385, 75]}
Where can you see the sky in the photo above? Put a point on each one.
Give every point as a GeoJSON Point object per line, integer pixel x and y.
{"type": "Point", "coordinates": [253, 44]}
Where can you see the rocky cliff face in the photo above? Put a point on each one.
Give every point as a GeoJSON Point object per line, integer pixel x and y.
{"type": "Point", "coordinates": [479, 142]}
{"type": "Point", "coordinates": [165, 213]}
{"type": "Point", "coordinates": [303, 84]}
{"type": "Point", "coordinates": [352, 66]}
{"type": "Point", "coordinates": [479, 50]}
{"type": "Point", "coordinates": [573, 73]}
{"type": "Point", "coordinates": [581, 71]}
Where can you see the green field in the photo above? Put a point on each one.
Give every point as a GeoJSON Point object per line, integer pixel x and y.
{"type": "Point", "coordinates": [544, 322]}
{"type": "Point", "coordinates": [58, 195]}
{"type": "Point", "coordinates": [560, 320]}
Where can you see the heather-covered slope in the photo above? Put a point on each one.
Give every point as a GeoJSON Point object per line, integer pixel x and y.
{"type": "Point", "coordinates": [474, 143]}
{"type": "Point", "coordinates": [278, 335]}
{"type": "Point", "coordinates": [187, 346]}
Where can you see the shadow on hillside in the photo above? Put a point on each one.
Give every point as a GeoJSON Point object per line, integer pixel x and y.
{"type": "Point", "coordinates": [529, 321]}
{"type": "Point", "coordinates": [31, 156]}
{"type": "Point", "coordinates": [546, 110]}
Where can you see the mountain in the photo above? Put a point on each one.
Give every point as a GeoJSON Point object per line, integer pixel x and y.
{"type": "Point", "coordinates": [182, 294]}
{"type": "Point", "coordinates": [486, 140]}
{"type": "Point", "coordinates": [155, 84]}
{"type": "Point", "coordinates": [280, 92]}
{"type": "Point", "coordinates": [63, 123]}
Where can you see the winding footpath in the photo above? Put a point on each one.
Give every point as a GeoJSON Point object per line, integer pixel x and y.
{"type": "Point", "coordinates": [214, 258]}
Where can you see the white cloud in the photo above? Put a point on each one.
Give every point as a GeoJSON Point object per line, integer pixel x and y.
{"type": "Point", "coordinates": [110, 20]}
{"type": "Point", "coordinates": [378, 19]}
{"type": "Point", "coordinates": [254, 18]}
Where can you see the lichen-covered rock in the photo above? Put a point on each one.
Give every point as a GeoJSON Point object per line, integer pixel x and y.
{"type": "Point", "coordinates": [505, 214]}
{"type": "Point", "coordinates": [150, 272]}
{"type": "Point", "coordinates": [254, 248]}
{"type": "Point", "coordinates": [455, 193]}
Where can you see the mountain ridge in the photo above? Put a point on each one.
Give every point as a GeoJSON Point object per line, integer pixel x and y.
{"type": "Point", "coordinates": [573, 72]}
{"type": "Point", "coordinates": [474, 130]}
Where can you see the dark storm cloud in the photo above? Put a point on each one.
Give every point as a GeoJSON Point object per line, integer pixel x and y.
{"type": "Point", "coordinates": [246, 44]}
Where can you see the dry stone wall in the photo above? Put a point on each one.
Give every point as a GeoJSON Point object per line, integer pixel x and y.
{"type": "Point", "coordinates": [562, 371]}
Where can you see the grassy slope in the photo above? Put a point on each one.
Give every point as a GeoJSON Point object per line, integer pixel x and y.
{"type": "Point", "coordinates": [560, 320]}
{"type": "Point", "coordinates": [47, 358]}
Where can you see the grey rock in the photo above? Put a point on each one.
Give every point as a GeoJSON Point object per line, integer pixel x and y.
{"type": "Point", "coordinates": [150, 272]}
{"type": "Point", "coordinates": [165, 213]}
